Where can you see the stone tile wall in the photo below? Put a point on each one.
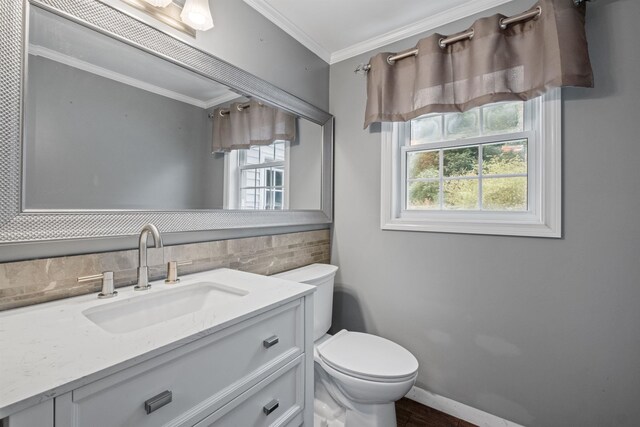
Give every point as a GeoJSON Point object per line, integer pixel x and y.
{"type": "Point", "coordinates": [31, 282]}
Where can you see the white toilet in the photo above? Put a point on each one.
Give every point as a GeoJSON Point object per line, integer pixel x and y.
{"type": "Point", "coordinates": [358, 377]}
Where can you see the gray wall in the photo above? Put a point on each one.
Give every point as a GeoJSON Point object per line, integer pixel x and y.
{"type": "Point", "coordinates": [542, 332]}
{"type": "Point", "coordinates": [94, 143]}
{"type": "Point", "coordinates": [246, 39]}
{"type": "Point", "coordinates": [305, 167]}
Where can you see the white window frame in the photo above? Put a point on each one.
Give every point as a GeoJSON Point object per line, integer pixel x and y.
{"type": "Point", "coordinates": [544, 215]}
{"type": "Point", "coordinates": [232, 177]}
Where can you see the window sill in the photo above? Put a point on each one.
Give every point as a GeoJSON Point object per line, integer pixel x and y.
{"type": "Point", "coordinates": [526, 228]}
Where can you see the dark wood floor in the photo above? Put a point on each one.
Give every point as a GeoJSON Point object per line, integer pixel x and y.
{"type": "Point", "coordinates": [413, 414]}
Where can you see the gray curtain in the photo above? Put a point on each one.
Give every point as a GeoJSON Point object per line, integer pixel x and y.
{"type": "Point", "coordinates": [258, 124]}
{"type": "Point", "coordinates": [518, 63]}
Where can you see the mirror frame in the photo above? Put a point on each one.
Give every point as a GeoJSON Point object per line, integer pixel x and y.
{"type": "Point", "coordinates": [18, 226]}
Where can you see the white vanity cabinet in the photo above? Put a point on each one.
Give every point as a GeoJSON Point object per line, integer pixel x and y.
{"type": "Point", "coordinates": [257, 372]}
{"type": "Point", "coordinates": [236, 372]}
{"type": "Point", "coordinates": [242, 362]}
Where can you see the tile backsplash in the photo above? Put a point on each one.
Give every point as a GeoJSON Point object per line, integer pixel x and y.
{"type": "Point", "coordinates": [31, 282]}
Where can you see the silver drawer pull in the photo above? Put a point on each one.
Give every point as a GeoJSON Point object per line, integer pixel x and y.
{"type": "Point", "coordinates": [271, 341]}
{"type": "Point", "coordinates": [157, 402]}
{"type": "Point", "coordinates": [270, 407]}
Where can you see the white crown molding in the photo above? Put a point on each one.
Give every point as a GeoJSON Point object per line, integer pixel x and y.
{"type": "Point", "coordinates": [448, 16]}
{"type": "Point", "coordinates": [269, 12]}
{"type": "Point", "coordinates": [427, 24]}
{"type": "Point", "coordinates": [130, 81]}
{"type": "Point", "coordinates": [213, 102]}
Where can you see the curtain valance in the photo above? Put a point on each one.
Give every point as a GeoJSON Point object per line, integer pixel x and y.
{"type": "Point", "coordinates": [243, 125]}
{"type": "Point", "coordinates": [517, 63]}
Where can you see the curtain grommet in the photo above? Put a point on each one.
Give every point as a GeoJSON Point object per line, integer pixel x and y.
{"type": "Point", "coordinates": [539, 9]}
{"type": "Point", "coordinates": [390, 61]}
{"type": "Point", "coordinates": [441, 43]}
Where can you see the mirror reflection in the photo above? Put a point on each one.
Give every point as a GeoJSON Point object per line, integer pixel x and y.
{"type": "Point", "coordinates": [110, 127]}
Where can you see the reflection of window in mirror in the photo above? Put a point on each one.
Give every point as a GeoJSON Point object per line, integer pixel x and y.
{"type": "Point", "coordinates": [258, 177]}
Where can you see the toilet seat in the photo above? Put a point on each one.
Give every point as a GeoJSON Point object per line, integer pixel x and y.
{"type": "Point", "coordinates": [368, 357]}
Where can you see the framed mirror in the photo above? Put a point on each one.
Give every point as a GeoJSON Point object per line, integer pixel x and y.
{"type": "Point", "coordinates": [111, 124]}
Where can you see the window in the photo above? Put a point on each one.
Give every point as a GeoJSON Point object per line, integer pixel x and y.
{"type": "Point", "coordinates": [491, 170]}
{"type": "Point", "coordinates": [257, 177]}
{"type": "Point", "coordinates": [491, 174]}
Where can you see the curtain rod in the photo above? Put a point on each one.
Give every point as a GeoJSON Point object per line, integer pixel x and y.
{"type": "Point", "coordinates": [227, 112]}
{"type": "Point", "coordinates": [445, 41]}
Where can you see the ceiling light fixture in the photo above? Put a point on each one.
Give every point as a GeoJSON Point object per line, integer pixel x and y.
{"type": "Point", "coordinates": [196, 14]}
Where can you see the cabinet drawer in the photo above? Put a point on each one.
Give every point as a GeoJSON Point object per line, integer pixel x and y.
{"type": "Point", "coordinates": [277, 400]}
{"type": "Point", "coordinates": [201, 376]}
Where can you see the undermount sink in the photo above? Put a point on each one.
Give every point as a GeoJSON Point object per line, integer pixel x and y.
{"type": "Point", "coordinates": [144, 310]}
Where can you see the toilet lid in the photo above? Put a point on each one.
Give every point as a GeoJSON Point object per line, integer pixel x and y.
{"type": "Point", "coordinates": [368, 357]}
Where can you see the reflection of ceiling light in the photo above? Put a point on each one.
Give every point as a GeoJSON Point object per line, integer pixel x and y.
{"type": "Point", "coordinates": [159, 3]}
{"type": "Point", "coordinates": [196, 14]}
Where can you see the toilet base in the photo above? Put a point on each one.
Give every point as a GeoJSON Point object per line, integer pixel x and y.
{"type": "Point", "coordinates": [382, 415]}
{"type": "Point", "coordinates": [378, 415]}
{"type": "Point", "coordinates": [326, 411]}
{"type": "Point", "coordinates": [330, 412]}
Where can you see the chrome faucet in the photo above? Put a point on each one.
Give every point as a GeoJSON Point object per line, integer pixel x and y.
{"type": "Point", "coordinates": [143, 269]}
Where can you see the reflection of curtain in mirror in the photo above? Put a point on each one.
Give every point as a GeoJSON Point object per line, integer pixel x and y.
{"type": "Point", "coordinates": [255, 124]}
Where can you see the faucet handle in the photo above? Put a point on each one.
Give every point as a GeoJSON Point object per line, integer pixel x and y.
{"type": "Point", "coordinates": [108, 288]}
{"type": "Point", "coordinates": [172, 271]}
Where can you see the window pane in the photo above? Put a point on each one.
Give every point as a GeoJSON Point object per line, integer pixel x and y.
{"type": "Point", "coordinates": [268, 196]}
{"type": "Point", "coordinates": [261, 187]}
{"type": "Point", "coordinates": [507, 158]}
{"type": "Point", "coordinates": [267, 153]}
{"type": "Point", "coordinates": [423, 195]}
{"type": "Point", "coordinates": [248, 198]}
{"type": "Point", "coordinates": [423, 164]}
{"type": "Point", "coordinates": [279, 146]}
{"type": "Point", "coordinates": [250, 156]}
{"type": "Point", "coordinates": [461, 194]}
{"type": "Point", "coordinates": [269, 176]}
{"type": "Point", "coordinates": [279, 174]}
{"type": "Point", "coordinates": [250, 178]}
{"type": "Point", "coordinates": [504, 194]}
{"type": "Point", "coordinates": [426, 129]}
{"type": "Point", "coordinates": [503, 118]}
{"type": "Point", "coordinates": [461, 162]}
{"type": "Point", "coordinates": [263, 203]}
{"type": "Point", "coordinates": [463, 125]}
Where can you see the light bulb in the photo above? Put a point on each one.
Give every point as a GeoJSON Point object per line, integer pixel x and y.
{"type": "Point", "coordinates": [159, 3]}
{"type": "Point", "coordinates": [197, 15]}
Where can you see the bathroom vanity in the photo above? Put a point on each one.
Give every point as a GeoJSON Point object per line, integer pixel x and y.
{"type": "Point", "coordinates": [222, 348]}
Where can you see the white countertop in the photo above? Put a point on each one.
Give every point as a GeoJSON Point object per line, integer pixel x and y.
{"type": "Point", "coordinates": [52, 348]}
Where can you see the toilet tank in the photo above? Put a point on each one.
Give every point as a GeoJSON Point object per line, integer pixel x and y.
{"type": "Point", "coordinates": [321, 276]}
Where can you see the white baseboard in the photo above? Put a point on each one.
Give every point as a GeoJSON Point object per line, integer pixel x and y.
{"type": "Point", "coordinates": [457, 409]}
